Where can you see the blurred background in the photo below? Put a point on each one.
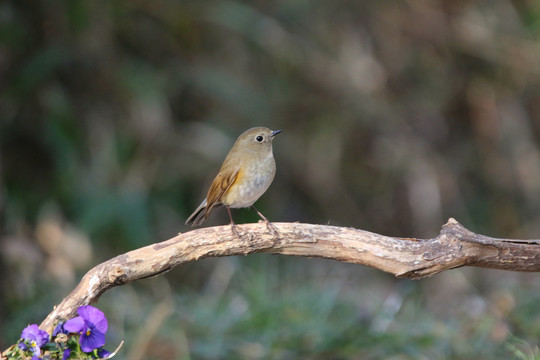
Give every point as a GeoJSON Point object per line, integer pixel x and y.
{"type": "Point", "coordinates": [116, 115]}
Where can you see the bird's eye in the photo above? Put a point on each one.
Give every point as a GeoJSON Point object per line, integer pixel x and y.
{"type": "Point", "coordinates": [259, 138]}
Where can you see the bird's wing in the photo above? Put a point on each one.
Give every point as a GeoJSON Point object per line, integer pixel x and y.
{"type": "Point", "coordinates": [222, 183]}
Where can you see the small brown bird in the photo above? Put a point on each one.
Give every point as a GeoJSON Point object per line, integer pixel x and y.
{"type": "Point", "coordinates": [246, 173]}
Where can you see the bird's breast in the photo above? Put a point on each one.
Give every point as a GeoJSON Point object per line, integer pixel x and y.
{"type": "Point", "coordinates": [253, 180]}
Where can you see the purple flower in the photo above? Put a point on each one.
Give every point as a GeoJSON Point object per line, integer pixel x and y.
{"type": "Point", "coordinates": [33, 339]}
{"type": "Point", "coordinates": [103, 354]}
{"type": "Point", "coordinates": [59, 329]}
{"type": "Point", "coordinates": [66, 354]}
{"type": "Point", "coordinates": [91, 324]}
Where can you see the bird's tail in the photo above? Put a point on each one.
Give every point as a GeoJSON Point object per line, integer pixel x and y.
{"type": "Point", "coordinates": [200, 214]}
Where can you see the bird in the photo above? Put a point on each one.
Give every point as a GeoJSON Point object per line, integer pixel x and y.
{"type": "Point", "coordinates": [246, 174]}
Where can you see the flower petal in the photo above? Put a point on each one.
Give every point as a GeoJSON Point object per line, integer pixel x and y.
{"type": "Point", "coordinates": [42, 337]}
{"type": "Point", "coordinates": [76, 324]}
{"type": "Point", "coordinates": [88, 312]}
{"type": "Point", "coordinates": [94, 316]}
{"type": "Point", "coordinates": [67, 352]}
{"type": "Point", "coordinates": [103, 354]}
{"type": "Point", "coordinates": [30, 332]}
{"type": "Point", "coordinates": [92, 341]}
{"type": "Point", "coordinates": [59, 329]}
{"type": "Point", "coordinates": [35, 350]}
{"type": "Point", "coordinates": [101, 324]}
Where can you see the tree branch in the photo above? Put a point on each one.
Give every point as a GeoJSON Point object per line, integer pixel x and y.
{"type": "Point", "coordinates": [404, 257]}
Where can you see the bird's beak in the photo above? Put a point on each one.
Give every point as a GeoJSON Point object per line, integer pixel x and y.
{"type": "Point", "coordinates": [275, 132]}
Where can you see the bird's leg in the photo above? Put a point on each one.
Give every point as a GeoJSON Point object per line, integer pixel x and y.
{"type": "Point", "coordinates": [269, 225]}
{"type": "Point", "coordinates": [233, 225]}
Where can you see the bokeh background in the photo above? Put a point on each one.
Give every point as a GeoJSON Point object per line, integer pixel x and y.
{"type": "Point", "coordinates": [116, 115]}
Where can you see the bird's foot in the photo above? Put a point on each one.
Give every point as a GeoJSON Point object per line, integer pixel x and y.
{"type": "Point", "coordinates": [271, 228]}
{"type": "Point", "coordinates": [240, 236]}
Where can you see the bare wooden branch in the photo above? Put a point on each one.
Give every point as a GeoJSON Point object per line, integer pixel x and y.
{"type": "Point", "coordinates": [404, 257]}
